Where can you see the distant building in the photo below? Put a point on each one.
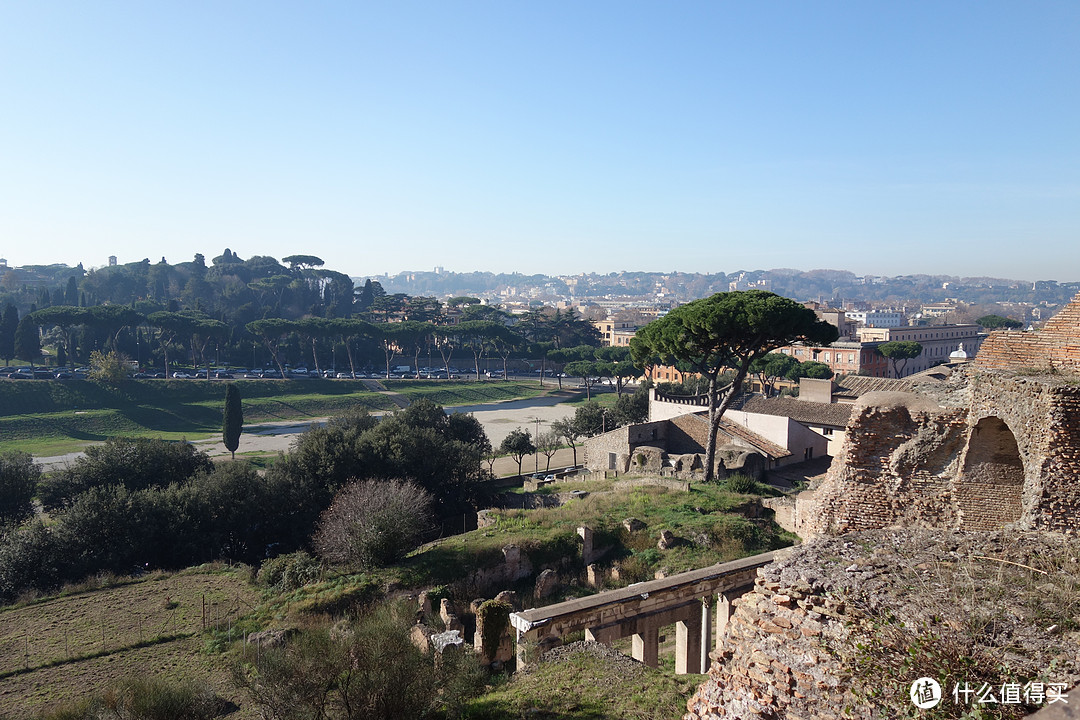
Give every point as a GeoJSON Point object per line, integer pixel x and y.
{"type": "Point", "coordinates": [112, 260]}
{"type": "Point", "coordinates": [938, 342]}
{"type": "Point", "coordinates": [877, 318]}
{"type": "Point", "coordinates": [844, 357]}
{"type": "Point", "coordinates": [615, 334]}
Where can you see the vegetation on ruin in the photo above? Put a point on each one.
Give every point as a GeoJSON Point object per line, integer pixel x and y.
{"type": "Point", "coordinates": [586, 686]}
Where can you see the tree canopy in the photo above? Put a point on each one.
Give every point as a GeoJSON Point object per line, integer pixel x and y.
{"type": "Point", "coordinates": [998, 322]}
{"type": "Point", "coordinates": [727, 330]}
{"type": "Point", "coordinates": [902, 351]}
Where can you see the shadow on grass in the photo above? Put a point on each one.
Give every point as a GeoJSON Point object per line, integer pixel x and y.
{"type": "Point", "coordinates": [160, 640]}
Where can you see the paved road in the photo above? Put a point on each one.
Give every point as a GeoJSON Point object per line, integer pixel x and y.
{"type": "Point", "coordinates": [497, 418]}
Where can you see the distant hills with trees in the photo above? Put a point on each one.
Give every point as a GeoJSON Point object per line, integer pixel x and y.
{"type": "Point", "coordinates": [265, 311]}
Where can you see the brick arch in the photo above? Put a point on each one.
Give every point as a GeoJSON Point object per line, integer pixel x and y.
{"type": "Point", "coordinates": [989, 489]}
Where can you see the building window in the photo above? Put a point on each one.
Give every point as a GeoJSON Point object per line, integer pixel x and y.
{"type": "Point", "coordinates": [826, 357]}
{"type": "Point", "coordinates": [827, 432]}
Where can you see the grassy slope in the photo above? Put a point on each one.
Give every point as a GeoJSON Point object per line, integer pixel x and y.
{"type": "Point", "coordinates": [50, 418]}
{"type": "Point", "coordinates": [143, 634]}
{"type": "Point", "coordinates": [74, 645]}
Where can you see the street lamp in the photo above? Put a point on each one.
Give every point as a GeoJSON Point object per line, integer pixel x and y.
{"type": "Point", "coordinates": [536, 448]}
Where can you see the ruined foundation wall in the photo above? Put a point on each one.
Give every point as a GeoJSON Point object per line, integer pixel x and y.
{"type": "Point", "coordinates": [1043, 414]}
{"type": "Point", "coordinates": [896, 467]}
{"type": "Point", "coordinates": [1005, 449]}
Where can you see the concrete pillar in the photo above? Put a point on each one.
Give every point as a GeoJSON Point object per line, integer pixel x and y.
{"type": "Point", "coordinates": [724, 610]}
{"type": "Point", "coordinates": [646, 646]}
{"type": "Point", "coordinates": [706, 626]}
{"type": "Point", "coordinates": [688, 644]}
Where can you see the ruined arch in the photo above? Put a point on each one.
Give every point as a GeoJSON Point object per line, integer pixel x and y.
{"type": "Point", "coordinates": [989, 489]}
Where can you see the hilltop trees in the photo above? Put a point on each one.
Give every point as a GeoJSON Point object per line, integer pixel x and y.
{"type": "Point", "coordinates": [727, 330]}
{"type": "Point", "coordinates": [27, 341]}
{"type": "Point", "coordinates": [9, 322]}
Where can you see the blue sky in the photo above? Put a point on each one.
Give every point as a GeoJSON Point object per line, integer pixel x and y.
{"type": "Point", "coordinates": [560, 137]}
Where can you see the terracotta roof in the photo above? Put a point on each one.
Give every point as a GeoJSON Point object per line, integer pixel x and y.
{"type": "Point", "coordinates": [854, 386]}
{"type": "Point", "coordinates": [753, 439]}
{"type": "Point", "coordinates": [733, 430]}
{"type": "Point", "coordinates": [803, 411]}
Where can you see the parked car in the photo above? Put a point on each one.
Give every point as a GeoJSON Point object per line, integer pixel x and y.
{"type": "Point", "coordinates": [271, 375]}
{"type": "Point", "coordinates": [182, 375]}
{"type": "Point", "coordinates": [223, 375]}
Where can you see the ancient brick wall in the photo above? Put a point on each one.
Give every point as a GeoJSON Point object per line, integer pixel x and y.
{"type": "Point", "coordinates": [895, 467]}
{"type": "Point", "coordinates": [1007, 450]}
{"type": "Point", "coordinates": [1043, 415]}
{"type": "Point", "coordinates": [1056, 345]}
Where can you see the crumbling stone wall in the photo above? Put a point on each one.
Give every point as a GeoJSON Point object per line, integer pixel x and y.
{"type": "Point", "coordinates": [1003, 449]}
{"type": "Point", "coordinates": [793, 645]}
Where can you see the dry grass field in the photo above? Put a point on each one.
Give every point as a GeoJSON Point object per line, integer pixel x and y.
{"type": "Point", "coordinates": [68, 647]}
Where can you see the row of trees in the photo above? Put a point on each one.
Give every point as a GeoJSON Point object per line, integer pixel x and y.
{"type": "Point", "coordinates": [165, 336]}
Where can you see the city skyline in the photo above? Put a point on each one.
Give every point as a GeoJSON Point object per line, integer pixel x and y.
{"type": "Point", "coordinates": [884, 140]}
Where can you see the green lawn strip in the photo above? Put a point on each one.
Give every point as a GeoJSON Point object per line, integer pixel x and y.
{"type": "Point", "coordinates": [58, 418]}
{"type": "Point", "coordinates": [464, 393]}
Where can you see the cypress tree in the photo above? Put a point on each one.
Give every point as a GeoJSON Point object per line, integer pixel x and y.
{"type": "Point", "coordinates": [27, 340]}
{"type": "Point", "coordinates": [233, 420]}
{"type": "Point", "coordinates": [8, 324]}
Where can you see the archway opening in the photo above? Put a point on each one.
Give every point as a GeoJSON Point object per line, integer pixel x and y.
{"type": "Point", "coordinates": [989, 491]}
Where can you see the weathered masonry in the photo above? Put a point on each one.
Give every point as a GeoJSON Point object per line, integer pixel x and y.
{"type": "Point", "coordinates": [996, 444]}
{"type": "Point", "coordinates": [640, 611]}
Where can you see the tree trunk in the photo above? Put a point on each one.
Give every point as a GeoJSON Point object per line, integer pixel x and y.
{"type": "Point", "coordinates": [716, 413]}
{"type": "Point", "coordinates": [348, 352]}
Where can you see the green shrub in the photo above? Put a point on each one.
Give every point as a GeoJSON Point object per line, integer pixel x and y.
{"type": "Point", "coordinates": [19, 476]}
{"type": "Point", "coordinates": [366, 669]}
{"type": "Point", "coordinates": [145, 698]}
{"type": "Point", "coordinates": [289, 572]}
{"type": "Point", "coordinates": [740, 483]}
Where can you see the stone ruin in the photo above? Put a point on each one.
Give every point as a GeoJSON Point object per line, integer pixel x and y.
{"type": "Point", "coordinates": [996, 443]}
